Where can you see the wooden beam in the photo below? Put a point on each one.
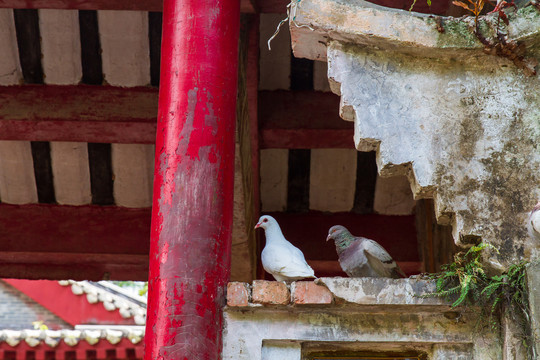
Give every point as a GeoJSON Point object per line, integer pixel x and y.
{"type": "Point", "coordinates": [307, 139]}
{"type": "Point", "coordinates": [302, 120]}
{"type": "Point", "coordinates": [79, 113]}
{"type": "Point", "coordinates": [75, 266]}
{"type": "Point", "coordinates": [73, 242]}
{"type": "Point", "coordinates": [108, 114]}
{"type": "Point", "coordinates": [140, 5]}
{"type": "Point", "coordinates": [283, 109]}
{"type": "Point", "coordinates": [272, 6]}
{"type": "Point", "coordinates": [74, 229]}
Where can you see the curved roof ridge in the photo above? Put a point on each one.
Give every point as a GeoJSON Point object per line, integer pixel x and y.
{"type": "Point", "coordinates": [52, 338]}
{"type": "Point", "coordinates": [112, 297]}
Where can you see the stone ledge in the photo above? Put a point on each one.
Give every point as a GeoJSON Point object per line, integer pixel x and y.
{"type": "Point", "coordinates": [336, 292]}
{"type": "Point", "coordinates": [356, 21]}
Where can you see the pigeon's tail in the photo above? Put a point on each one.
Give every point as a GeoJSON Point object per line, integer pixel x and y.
{"type": "Point", "coordinates": [397, 273]}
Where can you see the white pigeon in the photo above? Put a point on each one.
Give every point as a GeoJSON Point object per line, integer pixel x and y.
{"type": "Point", "coordinates": [279, 257]}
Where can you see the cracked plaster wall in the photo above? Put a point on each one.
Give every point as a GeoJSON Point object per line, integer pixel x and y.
{"type": "Point", "coordinates": [462, 125]}
{"type": "Point", "coordinates": [367, 314]}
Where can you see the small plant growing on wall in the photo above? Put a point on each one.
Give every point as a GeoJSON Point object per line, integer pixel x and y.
{"type": "Point", "coordinates": [465, 282]}
{"type": "Point", "coordinates": [501, 45]}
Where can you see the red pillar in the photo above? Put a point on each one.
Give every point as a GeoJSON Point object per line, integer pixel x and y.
{"type": "Point", "coordinates": [193, 184]}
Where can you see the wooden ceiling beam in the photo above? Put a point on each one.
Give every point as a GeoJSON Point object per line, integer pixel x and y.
{"type": "Point", "coordinates": [81, 113]}
{"type": "Point", "coordinates": [307, 139]}
{"type": "Point", "coordinates": [246, 6]}
{"type": "Point", "coordinates": [88, 229]}
{"type": "Point", "coordinates": [58, 242]}
{"type": "Point", "coordinates": [302, 120]}
{"type": "Point", "coordinates": [107, 114]}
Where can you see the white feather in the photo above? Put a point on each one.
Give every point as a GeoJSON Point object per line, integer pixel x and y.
{"type": "Point", "coordinates": [279, 257]}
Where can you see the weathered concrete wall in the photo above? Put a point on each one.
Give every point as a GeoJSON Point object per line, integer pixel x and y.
{"type": "Point", "coordinates": [464, 126]}
{"type": "Point", "coordinates": [365, 315]}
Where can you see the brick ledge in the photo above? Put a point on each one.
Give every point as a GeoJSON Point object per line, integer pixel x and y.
{"type": "Point", "coordinates": [335, 291]}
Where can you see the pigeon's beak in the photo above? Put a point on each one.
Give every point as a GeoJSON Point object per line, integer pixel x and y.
{"type": "Point", "coordinates": [258, 225]}
{"type": "Point", "coordinates": [329, 237]}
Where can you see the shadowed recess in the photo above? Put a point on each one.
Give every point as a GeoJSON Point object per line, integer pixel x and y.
{"type": "Point", "coordinates": [90, 48]}
{"type": "Point", "coordinates": [101, 177]}
{"type": "Point", "coordinates": [298, 180]}
{"type": "Point", "coordinates": [301, 73]}
{"type": "Point", "coordinates": [41, 155]}
{"type": "Point", "coordinates": [29, 43]}
{"type": "Point", "coordinates": [155, 20]}
{"type": "Point", "coordinates": [366, 178]}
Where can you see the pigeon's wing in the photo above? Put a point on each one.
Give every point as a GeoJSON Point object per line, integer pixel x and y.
{"type": "Point", "coordinates": [298, 265]}
{"type": "Point", "coordinates": [353, 260]}
{"type": "Point", "coordinates": [380, 261]}
{"type": "Point", "coordinates": [281, 260]}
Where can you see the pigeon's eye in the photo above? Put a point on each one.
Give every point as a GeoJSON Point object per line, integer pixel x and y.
{"type": "Point", "coordinates": [265, 220]}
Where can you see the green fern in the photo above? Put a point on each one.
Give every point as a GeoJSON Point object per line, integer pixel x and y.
{"type": "Point", "coordinates": [465, 282]}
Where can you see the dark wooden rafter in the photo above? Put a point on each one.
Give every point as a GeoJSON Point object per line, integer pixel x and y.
{"type": "Point", "coordinates": [366, 178]}
{"type": "Point", "coordinates": [92, 67]}
{"type": "Point", "coordinates": [298, 180]}
{"type": "Point", "coordinates": [155, 20]}
{"type": "Point", "coordinates": [29, 44]}
{"type": "Point", "coordinates": [101, 176]}
{"type": "Point", "coordinates": [301, 73]}
{"type": "Point", "coordinates": [41, 156]}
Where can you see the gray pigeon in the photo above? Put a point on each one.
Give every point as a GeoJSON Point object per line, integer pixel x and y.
{"type": "Point", "coordinates": [361, 257]}
{"type": "Point", "coordinates": [279, 257]}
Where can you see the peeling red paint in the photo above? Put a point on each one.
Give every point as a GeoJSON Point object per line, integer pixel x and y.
{"type": "Point", "coordinates": [193, 184]}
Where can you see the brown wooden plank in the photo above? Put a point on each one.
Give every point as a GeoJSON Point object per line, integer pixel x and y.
{"type": "Point", "coordinates": [307, 139]}
{"type": "Point", "coordinates": [74, 229]}
{"type": "Point", "coordinates": [272, 6]}
{"type": "Point", "coordinates": [302, 120]}
{"type": "Point", "coordinates": [107, 114]}
{"type": "Point", "coordinates": [141, 5]}
{"type": "Point", "coordinates": [301, 109]}
{"type": "Point", "coordinates": [435, 241]}
{"type": "Point", "coordinates": [83, 113]}
{"type": "Point", "coordinates": [75, 266]}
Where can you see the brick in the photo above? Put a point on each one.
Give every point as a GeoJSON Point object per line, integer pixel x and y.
{"type": "Point", "coordinates": [237, 294]}
{"type": "Point", "coordinates": [307, 292]}
{"type": "Point", "coordinates": [270, 293]}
